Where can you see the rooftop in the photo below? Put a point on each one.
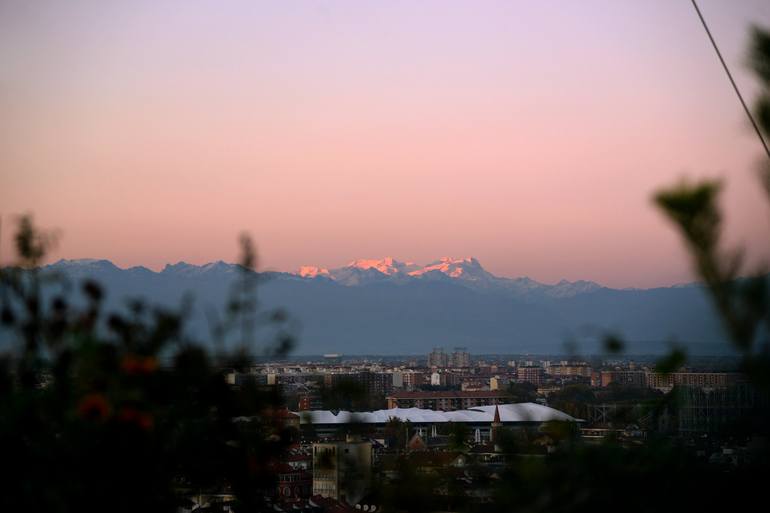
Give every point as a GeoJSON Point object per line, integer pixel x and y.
{"type": "Point", "coordinates": [520, 412]}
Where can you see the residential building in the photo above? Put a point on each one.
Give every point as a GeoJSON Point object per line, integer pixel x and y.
{"type": "Point", "coordinates": [568, 370]}
{"type": "Point", "coordinates": [446, 400]}
{"type": "Point", "coordinates": [342, 470]}
{"type": "Point", "coordinates": [632, 378]}
{"type": "Point", "coordinates": [438, 358]}
{"type": "Point", "coordinates": [530, 374]}
{"type": "Point", "coordinates": [666, 382]}
{"type": "Point", "coordinates": [373, 383]}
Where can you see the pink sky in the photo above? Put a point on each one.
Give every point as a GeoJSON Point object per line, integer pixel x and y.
{"type": "Point", "coordinates": [527, 134]}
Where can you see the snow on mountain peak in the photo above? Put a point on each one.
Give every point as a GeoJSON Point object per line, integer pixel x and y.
{"type": "Point", "coordinates": [211, 268]}
{"type": "Point", "coordinates": [467, 267]}
{"type": "Point", "coordinates": [387, 266]}
{"type": "Point", "coordinates": [467, 271]}
{"type": "Point", "coordinates": [466, 260]}
{"type": "Point", "coordinates": [311, 271]}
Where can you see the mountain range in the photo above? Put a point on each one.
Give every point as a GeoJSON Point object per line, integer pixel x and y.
{"type": "Point", "coordinates": [384, 306]}
{"type": "Point", "coordinates": [467, 272]}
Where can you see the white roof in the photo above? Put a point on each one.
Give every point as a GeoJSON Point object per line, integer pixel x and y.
{"type": "Point", "coordinates": [520, 412]}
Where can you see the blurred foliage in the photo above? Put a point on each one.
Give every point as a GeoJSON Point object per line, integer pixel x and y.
{"type": "Point", "coordinates": [459, 433]}
{"type": "Point", "coordinates": [572, 399]}
{"type": "Point", "coordinates": [655, 477]}
{"type": "Point", "coordinates": [613, 344]}
{"type": "Point", "coordinates": [409, 489]}
{"type": "Point", "coordinates": [348, 394]}
{"type": "Point", "coordinates": [759, 62]}
{"type": "Point", "coordinates": [630, 403]}
{"type": "Point", "coordinates": [397, 433]}
{"type": "Point", "coordinates": [672, 362]}
{"type": "Point", "coordinates": [743, 302]}
{"type": "Point", "coordinates": [522, 392]}
{"type": "Point", "coordinates": [106, 411]}
{"type": "Point", "coordinates": [616, 392]}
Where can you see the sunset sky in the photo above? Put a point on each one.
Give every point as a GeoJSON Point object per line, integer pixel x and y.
{"type": "Point", "coordinates": [528, 134]}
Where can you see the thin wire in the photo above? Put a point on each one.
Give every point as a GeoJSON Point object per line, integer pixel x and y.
{"type": "Point", "coordinates": [732, 81]}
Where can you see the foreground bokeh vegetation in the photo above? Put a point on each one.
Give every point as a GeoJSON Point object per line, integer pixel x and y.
{"type": "Point", "coordinates": [122, 411]}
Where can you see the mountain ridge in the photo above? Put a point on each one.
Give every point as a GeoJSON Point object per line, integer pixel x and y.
{"type": "Point", "coordinates": [468, 270]}
{"type": "Point", "coordinates": [361, 310]}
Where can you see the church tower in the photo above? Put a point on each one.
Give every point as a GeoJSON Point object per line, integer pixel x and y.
{"type": "Point", "coordinates": [496, 425]}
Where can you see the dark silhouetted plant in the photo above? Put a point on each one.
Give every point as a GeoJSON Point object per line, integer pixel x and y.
{"type": "Point", "coordinates": [120, 411]}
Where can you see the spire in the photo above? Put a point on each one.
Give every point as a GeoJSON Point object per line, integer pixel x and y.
{"type": "Point", "coordinates": [496, 425]}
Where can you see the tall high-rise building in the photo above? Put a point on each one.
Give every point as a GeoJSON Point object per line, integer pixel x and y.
{"type": "Point", "coordinates": [438, 358]}
{"type": "Point", "coordinates": [461, 357]}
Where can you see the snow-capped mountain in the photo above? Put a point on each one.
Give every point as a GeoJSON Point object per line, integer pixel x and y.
{"type": "Point", "coordinates": [386, 306]}
{"type": "Point", "coordinates": [465, 271]}
{"type": "Point", "coordinates": [311, 271]}
{"type": "Point", "coordinates": [183, 268]}
{"type": "Point", "coordinates": [461, 268]}
{"type": "Point", "coordinates": [388, 266]}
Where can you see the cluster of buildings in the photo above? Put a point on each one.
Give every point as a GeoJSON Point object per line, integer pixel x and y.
{"type": "Point", "coordinates": [340, 458]}
{"type": "Point", "coordinates": [664, 382]}
{"type": "Point", "coordinates": [339, 461]}
{"type": "Point", "coordinates": [340, 454]}
{"type": "Point", "coordinates": [444, 380]}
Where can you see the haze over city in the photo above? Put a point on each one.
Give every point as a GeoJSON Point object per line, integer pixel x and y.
{"type": "Point", "coordinates": [332, 131]}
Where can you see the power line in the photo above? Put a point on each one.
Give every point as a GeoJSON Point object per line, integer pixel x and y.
{"type": "Point", "coordinates": [732, 81]}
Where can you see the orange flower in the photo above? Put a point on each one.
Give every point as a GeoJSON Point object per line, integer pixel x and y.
{"type": "Point", "coordinates": [94, 407]}
{"type": "Point", "coordinates": [149, 364]}
{"type": "Point", "coordinates": [146, 421]}
{"type": "Point", "coordinates": [133, 364]}
{"type": "Point", "coordinates": [141, 419]}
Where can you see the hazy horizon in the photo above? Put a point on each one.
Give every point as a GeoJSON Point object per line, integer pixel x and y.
{"type": "Point", "coordinates": [528, 135]}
